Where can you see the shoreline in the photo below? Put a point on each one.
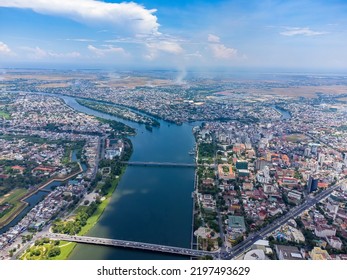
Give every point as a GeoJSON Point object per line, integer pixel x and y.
{"type": "Point", "coordinates": [94, 219]}
{"type": "Point", "coordinates": [194, 195]}
{"type": "Point", "coordinates": [80, 101]}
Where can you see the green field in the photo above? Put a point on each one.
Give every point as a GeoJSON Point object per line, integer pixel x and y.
{"type": "Point", "coordinates": [14, 199]}
{"type": "Point", "coordinates": [5, 115]}
{"type": "Point", "coordinates": [66, 249]}
{"type": "Point", "coordinates": [43, 250]}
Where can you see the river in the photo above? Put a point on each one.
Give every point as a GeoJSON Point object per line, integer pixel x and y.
{"type": "Point", "coordinates": [150, 204]}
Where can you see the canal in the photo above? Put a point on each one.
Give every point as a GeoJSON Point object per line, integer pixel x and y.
{"type": "Point", "coordinates": [34, 199]}
{"type": "Point", "coordinates": [151, 204]}
{"type": "Point", "coordinates": [285, 115]}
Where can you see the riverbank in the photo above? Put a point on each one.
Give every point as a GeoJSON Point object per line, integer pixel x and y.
{"type": "Point", "coordinates": [92, 221]}
{"type": "Point", "coordinates": [119, 112]}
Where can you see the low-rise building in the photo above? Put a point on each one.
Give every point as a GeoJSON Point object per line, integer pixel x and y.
{"type": "Point", "coordinates": [254, 255]}
{"type": "Point", "coordinates": [288, 253]}
{"type": "Point", "coordinates": [324, 231]}
{"type": "Point", "coordinates": [334, 242]}
{"type": "Point", "coordinates": [319, 254]}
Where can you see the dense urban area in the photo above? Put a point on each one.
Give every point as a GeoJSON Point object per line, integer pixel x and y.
{"type": "Point", "coordinates": [270, 159]}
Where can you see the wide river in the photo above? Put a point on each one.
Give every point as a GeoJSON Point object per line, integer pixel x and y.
{"type": "Point", "coordinates": [151, 204]}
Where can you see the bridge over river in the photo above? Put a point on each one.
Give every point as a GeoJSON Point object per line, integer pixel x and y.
{"type": "Point", "coordinates": [131, 244]}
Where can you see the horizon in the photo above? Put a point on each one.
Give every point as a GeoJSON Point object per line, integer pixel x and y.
{"type": "Point", "coordinates": [236, 70]}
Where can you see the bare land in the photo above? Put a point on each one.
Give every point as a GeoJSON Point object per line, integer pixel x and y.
{"type": "Point", "coordinates": [296, 138]}
{"type": "Point", "coordinates": [55, 85]}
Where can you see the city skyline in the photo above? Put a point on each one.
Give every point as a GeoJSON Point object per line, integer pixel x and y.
{"type": "Point", "coordinates": [180, 35]}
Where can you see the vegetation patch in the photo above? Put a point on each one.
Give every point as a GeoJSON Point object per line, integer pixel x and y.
{"type": "Point", "coordinates": [4, 114]}
{"type": "Point", "coordinates": [121, 128]}
{"type": "Point", "coordinates": [13, 199]}
{"type": "Point", "coordinates": [43, 249]}
{"type": "Point", "coordinates": [119, 112]}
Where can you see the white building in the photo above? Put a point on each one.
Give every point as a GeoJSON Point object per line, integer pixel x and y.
{"type": "Point", "coordinates": [324, 231]}
{"type": "Point", "coordinates": [334, 242]}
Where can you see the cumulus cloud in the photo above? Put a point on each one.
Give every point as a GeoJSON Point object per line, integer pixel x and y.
{"type": "Point", "coordinates": [168, 47]}
{"type": "Point", "coordinates": [213, 38]}
{"type": "Point", "coordinates": [155, 45]}
{"type": "Point", "coordinates": [158, 44]}
{"type": "Point", "coordinates": [80, 40]}
{"type": "Point", "coordinates": [219, 50]}
{"type": "Point", "coordinates": [126, 16]}
{"type": "Point", "coordinates": [4, 49]}
{"type": "Point", "coordinates": [303, 31]}
{"type": "Point", "coordinates": [38, 53]}
{"type": "Point", "coordinates": [109, 49]}
{"type": "Point", "coordinates": [165, 46]}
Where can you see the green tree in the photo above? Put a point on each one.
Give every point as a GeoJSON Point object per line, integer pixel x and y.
{"type": "Point", "coordinates": [55, 251]}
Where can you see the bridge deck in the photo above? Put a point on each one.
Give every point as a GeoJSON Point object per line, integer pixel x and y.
{"type": "Point", "coordinates": [131, 244]}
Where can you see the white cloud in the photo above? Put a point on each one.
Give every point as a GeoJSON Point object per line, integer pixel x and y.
{"type": "Point", "coordinates": [109, 49]}
{"type": "Point", "coordinates": [304, 31]}
{"type": "Point", "coordinates": [38, 53]}
{"type": "Point", "coordinates": [196, 54]}
{"type": "Point", "coordinates": [160, 44]}
{"type": "Point", "coordinates": [126, 16]}
{"type": "Point", "coordinates": [4, 49]}
{"type": "Point", "coordinates": [80, 40]}
{"type": "Point", "coordinates": [219, 50]}
{"type": "Point", "coordinates": [157, 47]}
{"type": "Point", "coordinates": [222, 52]}
{"type": "Point", "coordinates": [165, 46]}
{"type": "Point", "coordinates": [213, 38]}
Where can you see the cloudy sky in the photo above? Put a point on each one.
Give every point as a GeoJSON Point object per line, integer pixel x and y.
{"type": "Point", "coordinates": [295, 34]}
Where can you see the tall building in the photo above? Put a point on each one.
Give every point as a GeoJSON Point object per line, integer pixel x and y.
{"type": "Point", "coordinates": [307, 152]}
{"type": "Point", "coordinates": [312, 184]}
{"type": "Point", "coordinates": [314, 148]}
{"type": "Point", "coordinates": [321, 158]}
{"type": "Point", "coordinates": [261, 163]}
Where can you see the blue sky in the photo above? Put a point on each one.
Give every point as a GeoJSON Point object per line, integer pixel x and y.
{"type": "Point", "coordinates": [175, 34]}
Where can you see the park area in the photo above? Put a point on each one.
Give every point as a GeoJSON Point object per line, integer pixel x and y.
{"type": "Point", "coordinates": [46, 249]}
